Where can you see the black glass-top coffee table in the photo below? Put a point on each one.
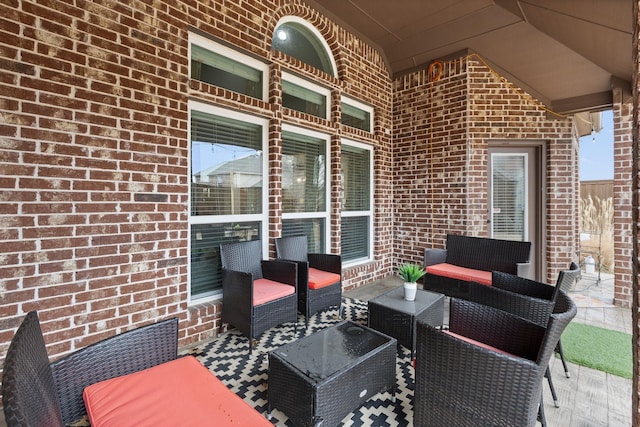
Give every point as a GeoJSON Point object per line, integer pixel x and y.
{"type": "Point", "coordinates": [391, 314]}
{"type": "Point", "coordinates": [321, 378]}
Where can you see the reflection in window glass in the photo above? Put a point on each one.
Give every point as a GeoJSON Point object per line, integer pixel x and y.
{"type": "Point", "coordinates": [226, 166]}
{"type": "Point", "coordinates": [300, 42]}
{"type": "Point", "coordinates": [303, 173]}
{"type": "Point", "coordinates": [206, 271]}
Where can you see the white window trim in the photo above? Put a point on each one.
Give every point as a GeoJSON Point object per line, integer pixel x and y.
{"type": "Point", "coordinates": [325, 45]}
{"type": "Point", "coordinates": [361, 106]}
{"type": "Point", "coordinates": [217, 219]}
{"type": "Point", "coordinates": [368, 212]}
{"type": "Point", "coordinates": [312, 87]}
{"type": "Point", "coordinates": [313, 215]}
{"type": "Point", "coordinates": [525, 159]}
{"type": "Point", "coordinates": [230, 53]}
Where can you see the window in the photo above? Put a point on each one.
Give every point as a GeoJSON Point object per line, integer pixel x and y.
{"type": "Point", "coordinates": [304, 185]}
{"type": "Point", "coordinates": [228, 195]}
{"type": "Point", "coordinates": [357, 213]}
{"type": "Point", "coordinates": [297, 38]}
{"type": "Point", "coordinates": [219, 65]}
{"type": "Point", "coordinates": [302, 95]}
{"type": "Point", "coordinates": [357, 114]}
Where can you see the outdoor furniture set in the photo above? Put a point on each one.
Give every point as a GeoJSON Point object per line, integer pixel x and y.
{"type": "Point", "coordinates": [472, 259]}
{"type": "Point", "coordinates": [508, 330]}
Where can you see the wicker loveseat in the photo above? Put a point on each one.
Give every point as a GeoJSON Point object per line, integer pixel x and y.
{"type": "Point", "coordinates": [472, 259]}
{"type": "Point", "coordinates": [132, 379]}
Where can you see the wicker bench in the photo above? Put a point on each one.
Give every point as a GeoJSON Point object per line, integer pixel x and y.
{"type": "Point", "coordinates": [134, 378]}
{"type": "Point", "coordinates": [472, 259]}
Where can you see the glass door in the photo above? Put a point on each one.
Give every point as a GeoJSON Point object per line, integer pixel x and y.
{"type": "Point", "coordinates": [515, 197]}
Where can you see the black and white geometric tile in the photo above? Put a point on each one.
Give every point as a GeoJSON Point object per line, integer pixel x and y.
{"type": "Point", "coordinates": [246, 375]}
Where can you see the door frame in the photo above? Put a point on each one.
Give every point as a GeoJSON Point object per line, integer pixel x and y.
{"type": "Point", "coordinates": [537, 174]}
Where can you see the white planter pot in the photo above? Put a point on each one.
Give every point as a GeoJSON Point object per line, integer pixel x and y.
{"type": "Point", "coordinates": [410, 291]}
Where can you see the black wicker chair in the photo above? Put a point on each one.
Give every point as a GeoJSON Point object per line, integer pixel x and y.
{"type": "Point", "coordinates": [565, 282]}
{"type": "Point", "coordinates": [36, 393]}
{"type": "Point", "coordinates": [311, 268]}
{"type": "Point", "coordinates": [243, 273]}
{"type": "Point", "coordinates": [489, 371]}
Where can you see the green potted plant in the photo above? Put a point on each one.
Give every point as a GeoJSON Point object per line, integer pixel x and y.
{"type": "Point", "coordinates": [410, 273]}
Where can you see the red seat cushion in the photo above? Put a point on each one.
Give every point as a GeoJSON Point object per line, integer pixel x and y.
{"type": "Point", "coordinates": [265, 290]}
{"type": "Point", "coordinates": [460, 273]}
{"type": "Point", "coordinates": [177, 393]}
{"type": "Point", "coordinates": [319, 279]}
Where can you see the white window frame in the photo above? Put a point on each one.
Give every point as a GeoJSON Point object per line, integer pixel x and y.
{"type": "Point", "coordinates": [361, 106]}
{"type": "Point", "coordinates": [232, 54]}
{"type": "Point", "coordinates": [321, 90]}
{"type": "Point", "coordinates": [263, 217]}
{"type": "Point", "coordinates": [368, 212]}
{"type": "Point", "coordinates": [313, 215]}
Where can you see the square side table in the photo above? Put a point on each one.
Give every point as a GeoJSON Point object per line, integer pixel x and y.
{"type": "Point", "coordinates": [391, 314]}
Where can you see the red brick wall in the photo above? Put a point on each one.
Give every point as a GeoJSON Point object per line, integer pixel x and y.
{"type": "Point", "coordinates": [635, 214]}
{"type": "Point", "coordinates": [622, 196]}
{"type": "Point", "coordinates": [94, 161]}
{"type": "Point", "coordinates": [443, 129]}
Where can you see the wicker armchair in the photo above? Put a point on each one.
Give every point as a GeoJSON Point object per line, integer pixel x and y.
{"type": "Point", "coordinates": [256, 294]}
{"type": "Point", "coordinates": [319, 276]}
{"type": "Point", "coordinates": [566, 280]}
{"type": "Point", "coordinates": [487, 369]}
{"type": "Point", "coordinates": [36, 393]}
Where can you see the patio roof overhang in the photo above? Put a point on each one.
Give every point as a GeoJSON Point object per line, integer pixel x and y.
{"type": "Point", "coordinates": [566, 53]}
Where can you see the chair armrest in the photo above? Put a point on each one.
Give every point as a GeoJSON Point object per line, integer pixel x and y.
{"type": "Point", "coordinates": [119, 355]}
{"type": "Point", "coordinates": [496, 328]}
{"type": "Point", "coordinates": [326, 262]}
{"type": "Point", "coordinates": [434, 256]}
{"type": "Point", "coordinates": [281, 271]}
{"type": "Point", "coordinates": [237, 289]}
{"type": "Point", "coordinates": [523, 270]}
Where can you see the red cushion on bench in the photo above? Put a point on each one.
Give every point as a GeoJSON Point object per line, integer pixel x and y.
{"type": "Point", "coordinates": [265, 290]}
{"type": "Point", "coordinates": [178, 393]}
{"type": "Point", "coordinates": [319, 279]}
{"type": "Point", "coordinates": [460, 273]}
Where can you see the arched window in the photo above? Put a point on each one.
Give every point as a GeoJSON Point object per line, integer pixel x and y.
{"type": "Point", "coordinates": [297, 38]}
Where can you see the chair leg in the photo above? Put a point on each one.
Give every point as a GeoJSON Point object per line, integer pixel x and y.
{"type": "Point", "coordinates": [551, 387]}
{"type": "Point", "coordinates": [541, 416]}
{"type": "Point", "coordinates": [564, 362]}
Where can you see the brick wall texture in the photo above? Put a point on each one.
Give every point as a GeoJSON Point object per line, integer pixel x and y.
{"type": "Point", "coordinates": [94, 156]}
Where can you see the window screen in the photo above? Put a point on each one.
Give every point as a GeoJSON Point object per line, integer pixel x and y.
{"type": "Point", "coordinates": [356, 117]}
{"type": "Point", "coordinates": [313, 228]}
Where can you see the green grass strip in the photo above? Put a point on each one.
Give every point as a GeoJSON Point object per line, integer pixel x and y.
{"type": "Point", "coordinates": [598, 348]}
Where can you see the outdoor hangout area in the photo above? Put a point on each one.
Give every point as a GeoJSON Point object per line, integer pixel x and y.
{"type": "Point", "coordinates": [382, 355]}
{"type": "Point", "coordinates": [332, 212]}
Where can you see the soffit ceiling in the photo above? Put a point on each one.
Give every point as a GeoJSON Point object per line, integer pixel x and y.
{"type": "Point", "coordinates": [566, 53]}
